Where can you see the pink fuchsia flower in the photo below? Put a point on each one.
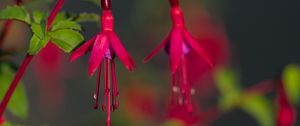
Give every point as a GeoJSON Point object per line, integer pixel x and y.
{"type": "Point", "coordinates": [286, 114]}
{"type": "Point", "coordinates": [104, 47]}
{"type": "Point", "coordinates": [178, 44]}
{"type": "Point", "coordinates": [183, 115]}
{"type": "Point", "coordinates": [2, 120]}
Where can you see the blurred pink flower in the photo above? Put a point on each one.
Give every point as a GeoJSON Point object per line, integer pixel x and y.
{"type": "Point", "coordinates": [2, 120]}
{"type": "Point", "coordinates": [178, 44]}
{"type": "Point", "coordinates": [104, 47]}
{"type": "Point", "coordinates": [286, 115]}
{"type": "Point", "coordinates": [188, 118]}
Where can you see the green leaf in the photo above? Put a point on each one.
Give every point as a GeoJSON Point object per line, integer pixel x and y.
{"type": "Point", "coordinates": [87, 17]}
{"type": "Point", "coordinates": [291, 81]}
{"type": "Point", "coordinates": [66, 39]}
{"type": "Point", "coordinates": [36, 44]}
{"type": "Point", "coordinates": [61, 16]}
{"type": "Point", "coordinates": [16, 13]}
{"type": "Point", "coordinates": [38, 17]}
{"type": "Point", "coordinates": [227, 84]}
{"type": "Point", "coordinates": [38, 30]}
{"type": "Point", "coordinates": [259, 108]}
{"type": "Point", "coordinates": [66, 25]}
{"type": "Point", "coordinates": [18, 104]}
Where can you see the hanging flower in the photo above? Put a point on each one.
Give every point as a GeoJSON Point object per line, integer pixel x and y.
{"type": "Point", "coordinates": [104, 47]}
{"type": "Point", "coordinates": [178, 44]}
{"type": "Point", "coordinates": [286, 114]}
{"type": "Point", "coordinates": [2, 120]}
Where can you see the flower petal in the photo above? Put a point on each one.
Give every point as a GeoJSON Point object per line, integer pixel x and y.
{"type": "Point", "coordinates": [160, 46]}
{"type": "Point", "coordinates": [121, 51]}
{"type": "Point", "coordinates": [194, 45]}
{"type": "Point", "coordinates": [176, 41]}
{"type": "Point", "coordinates": [83, 49]}
{"type": "Point", "coordinates": [100, 45]}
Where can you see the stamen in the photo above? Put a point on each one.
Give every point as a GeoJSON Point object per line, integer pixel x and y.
{"type": "Point", "coordinates": [96, 94]}
{"type": "Point", "coordinates": [115, 92]}
{"type": "Point", "coordinates": [187, 88]}
{"type": "Point", "coordinates": [174, 90]}
{"type": "Point", "coordinates": [107, 90]}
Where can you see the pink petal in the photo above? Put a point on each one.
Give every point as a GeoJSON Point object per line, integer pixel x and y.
{"type": "Point", "coordinates": [160, 46]}
{"type": "Point", "coordinates": [83, 49]}
{"type": "Point", "coordinates": [100, 45]}
{"type": "Point", "coordinates": [121, 51]}
{"type": "Point", "coordinates": [176, 42]}
{"type": "Point", "coordinates": [195, 45]}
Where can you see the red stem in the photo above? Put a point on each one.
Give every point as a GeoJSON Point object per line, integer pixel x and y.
{"type": "Point", "coordinates": [26, 61]}
{"type": "Point", "coordinates": [106, 4]}
{"type": "Point", "coordinates": [15, 83]}
{"type": "Point", "coordinates": [174, 3]}
{"type": "Point", "coordinates": [54, 12]}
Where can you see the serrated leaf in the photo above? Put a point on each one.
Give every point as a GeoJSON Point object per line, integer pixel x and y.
{"type": "Point", "coordinates": [36, 44]}
{"type": "Point", "coordinates": [291, 81]}
{"type": "Point", "coordinates": [15, 13]}
{"type": "Point", "coordinates": [38, 30]}
{"type": "Point", "coordinates": [87, 17]}
{"type": "Point", "coordinates": [66, 25]}
{"type": "Point", "coordinates": [66, 39]}
{"type": "Point", "coordinates": [18, 104]}
{"type": "Point", "coordinates": [259, 108]}
{"type": "Point", "coordinates": [38, 16]}
{"type": "Point", "coordinates": [61, 16]}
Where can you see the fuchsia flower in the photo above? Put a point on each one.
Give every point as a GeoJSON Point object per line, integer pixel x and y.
{"type": "Point", "coordinates": [178, 44]}
{"type": "Point", "coordinates": [286, 114]}
{"type": "Point", "coordinates": [104, 47]}
{"type": "Point", "coordinates": [180, 113]}
{"type": "Point", "coordinates": [2, 120]}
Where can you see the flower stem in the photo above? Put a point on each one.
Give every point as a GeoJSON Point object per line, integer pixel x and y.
{"type": "Point", "coordinates": [174, 3]}
{"type": "Point", "coordinates": [54, 12]}
{"type": "Point", "coordinates": [105, 4]}
{"type": "Point", "coordinates": [107, 90]}
{"type": "Point", "coordinates": [15, 83]}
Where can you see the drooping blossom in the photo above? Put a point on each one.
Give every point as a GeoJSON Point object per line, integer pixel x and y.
{"type": "Point", "coordinates": [104, 47]}
{"type": "Point", "coordinates": [2, 120]}
{"type": "Point", "coordinates": [183, 115]}
{"type": "Point", "coordinates": [178, 44]}
{"type": "Point", "coordinates": [286, 113]}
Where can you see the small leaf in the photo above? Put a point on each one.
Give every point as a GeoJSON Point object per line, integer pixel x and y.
{"type": "Point", "coordinates": [291, 81]}
{"type": "Point", "coordinates": [259, 108]}
{"type": "Point", "coordinates": [15, 13]}
{"type": "Point", "coordinates": [66, 39]}
{"type": "Point", "coordinates": [36, 44]}
{"type": "Point", "coordinates": [18, 104]}
{"type": "Point", "coordinates": [38, 17]}
{"type": "Point", "coordinates": [61, 16]}
{"type": "Point", "coordinates": [38, 30]}
{"type": "Point", "coordinates": [87, 17]}
{"type": "Point", "coordinates": [66, 25]}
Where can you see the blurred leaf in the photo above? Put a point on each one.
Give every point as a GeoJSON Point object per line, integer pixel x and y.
{"type": "Point", "coordinates": [291, 81]}
{"type": "Point", "coordinates": [38, 17]}
{"type": "Point", "coordinates": [18, 104]}
{"type": "Point", "coordinates": [87, 17]}
{"type": "Point", "coordinates": [259, 108]}
{"type": "Point", "coordinates": [227, 84]}
{"type": "Point", "coordinates": [66, 39]}
{"type": "Point", "coordinates": [15, 13]}
{"type": "Point", "coordinates": [66, 25]}
{"type": "Point", "coordinates": [34, 4]}
{"type": "Point", "coordinates": [173, 122]}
